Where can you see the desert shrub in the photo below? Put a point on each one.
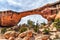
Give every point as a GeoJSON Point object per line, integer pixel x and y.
{"type": "Point", "coordinates": [57, 20]}
{"type": "Point", "coordinates": [22, 29]}
{"type": "Point", "coordinates": [9, 29]}
{"type": "Point", "coordinates": [43, 23]}
{"type": "Point", "coordinates": [57, 23]}
{"type": "Point", "coordinates": [3, 30]}
{"type": "Point", "coordinates": [46, 31]}
{"type": "Point", "coordinates": [36, 28]}
{"type": "Point", "coordinates": [30, 24]}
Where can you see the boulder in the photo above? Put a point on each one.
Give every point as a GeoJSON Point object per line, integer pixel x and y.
{"type": "Point", "coordinates": [45, 37]}
{"type": "Point", "coordinates": [52, 37]}
{"type": "Point", "coordinates": [9, 34]}
{"type": "Point", "coordinates": [18, 38]}
{"type": "Point", "coordinates": [22, 34]}
{"type": "Point", "coordinates": [58, 34]}
{"type": "Point", "coordinates": [29, 34]}
{"type": "Point", "coordinates": [3, 39]}
{"type": "Point", "coordinates": [11, 38]}
{"type": "Point", "coordinates": [26, 38]}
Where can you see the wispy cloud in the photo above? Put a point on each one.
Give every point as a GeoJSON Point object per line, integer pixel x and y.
{"type": "Point", "coordinates": [12, 2]}
{"type": "Point", "coordinates": [21, 5]}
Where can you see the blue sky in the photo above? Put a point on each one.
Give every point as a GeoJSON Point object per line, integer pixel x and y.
{"type": "Point", "coordinates": [24, 5]}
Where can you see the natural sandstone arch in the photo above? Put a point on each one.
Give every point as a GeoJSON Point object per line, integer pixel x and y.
{"type": "Point", "coordinates": [11, 18]}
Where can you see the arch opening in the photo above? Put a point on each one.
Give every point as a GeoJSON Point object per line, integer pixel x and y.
{"type": "Point", "coordinates": [35, 18]}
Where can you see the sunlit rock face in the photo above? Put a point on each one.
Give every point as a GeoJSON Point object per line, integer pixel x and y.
{"type": "Point", "coordinates": [58, 16]}
{"type": "Point", "coordinates": [11, 18]}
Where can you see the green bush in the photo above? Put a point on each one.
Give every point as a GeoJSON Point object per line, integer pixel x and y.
{"type": "Point", "coordinates": [3, 30]}
{"type": "Point", "coordinates": [22, 29]}
{"type": "Point", "coordinates": [43, 23]}
{"type": "Point", "coordinates": [46, 31]}
{"type": "Point", "coordinates": [57, 20]}
{"type": "Point", "coordinates": [57, 23]}
{"type": "Point", "coordinates": [10, 29]}
{"type": "Point", "coordinates": [36, 28]}
{"type": "Point", "coordinates": [30, 24]}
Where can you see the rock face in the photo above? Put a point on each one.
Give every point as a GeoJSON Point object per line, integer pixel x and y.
{"type": "Point", "coordinates": [58, 16]}
{"type": "Point", "coordinates": [22, 34]}
{"type": "Point", "coordinates": [11, 18]}
{"type": "Point", "coordinates": [3, 39]}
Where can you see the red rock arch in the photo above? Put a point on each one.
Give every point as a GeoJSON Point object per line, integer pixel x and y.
{"type": "Point", "coordinates": [11, 18]}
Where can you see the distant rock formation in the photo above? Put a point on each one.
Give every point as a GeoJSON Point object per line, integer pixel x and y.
{"type": "Point", "coordinates": [11, 18]}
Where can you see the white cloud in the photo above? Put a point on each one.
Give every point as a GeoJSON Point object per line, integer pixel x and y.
{"type": "Point", "coordinates": [12, 2]}
{"type": "Point", "coordinates": [1, 0]}
{"type": "Point", "coordinates": [51, 1]}
{"type": "Point", "coordinates": [25, 4]}
{"type": "Point", "coordinates": [3, 9]}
